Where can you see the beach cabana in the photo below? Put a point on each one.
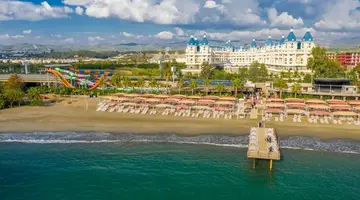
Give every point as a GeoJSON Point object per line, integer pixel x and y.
{"type": "Point", "coordinates": [227, 99]}
{"type": "Point", "coordinates": [275, 105]}
{"type": "Point", "coordinates": [294, 100]}
{"type": "Point", "coordinates": [187, 101]}
{"type": "Point", "coordinates": [194, 97]}
{"type": "Point", "coordinates": [336, 101]}
{"type": "Point", "coordinates": [220, 108]}
{"type": "Point", "coordinates": [295, 112]}
{"type": "Point", "coordinates": [318, 107]}
{"type": "Point", "coordinates": [211, 97]}
{"type": "Point", "coordinates": [295, 105]}
{"type": "Point", "coordinates": [340, 107]}
{"type": "Point", "coordinates": [344, 114]}
{"type": "Point", "coordinates": [273, 110]}
{"type": "Point", "coordinates": [164, 106]}
{"type": "Point", "coordinates": [201, 107]}
{"type": "Point", "coordinates": [228, 103]}
{"type": "Point", "coordinates": [354, 102]}
{"type": "Point", "coordinates": [148, 95]}
{"type": "Point", "coordinates": [275, 100]}
{"type": "Point", "coordinates": [178, 96]}
{"type": "Point", "coordinates": [319, 113]}
{"type": "Point", "coordinates": [161, 96]}
{"type": "Point", "coordinates": [132, 95]}
{"type": "Point", "coordinates": [206, 102]}
{"type": "Point", "coordinates": [153, 100]}
{"type": "Point", "coordinates": [315, 101]}
{"type": "Point", "coordinates": [171, 100]}
{"type": "Point", "coordinates": [181, 107]}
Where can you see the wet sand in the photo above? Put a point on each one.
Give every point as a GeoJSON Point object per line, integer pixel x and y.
{"type": "Point", "coordinates": [64, 117]}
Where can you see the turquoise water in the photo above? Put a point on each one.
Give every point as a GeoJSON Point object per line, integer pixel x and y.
{"type": "Point", "coordinates": [61, 168]}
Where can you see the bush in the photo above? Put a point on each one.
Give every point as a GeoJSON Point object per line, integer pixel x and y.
{"type": "Point", "coordinates": [36, 102]}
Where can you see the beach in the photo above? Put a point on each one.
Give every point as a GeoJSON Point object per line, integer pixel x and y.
{"type": "Point", "coordinates": [74, 117]}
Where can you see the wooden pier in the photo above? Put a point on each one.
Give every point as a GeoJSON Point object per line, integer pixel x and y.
{"type": "Point", "coordinates": [263, 144]}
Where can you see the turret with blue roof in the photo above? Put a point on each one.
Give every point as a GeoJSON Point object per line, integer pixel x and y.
{"type": "Point", "coordinates": [253, 44]}
{"type": "Point", "coordinates": [192, 41]}
{"type": "Point", "coordinates": [308, 37]}
{"type": "Point", "coordinates": [269, 41]}
{"type": "Point", "coordinates": [291, 37]}
{"type": "Point", "coordinates": [204, 41]}
{"type": "Point", "coordinates": [282, 41]}
{"type": "Point", "coordinates": [196, 41]}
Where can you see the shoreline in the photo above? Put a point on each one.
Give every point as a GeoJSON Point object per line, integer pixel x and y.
{"type": "Point", "coordinates": [74, 118]}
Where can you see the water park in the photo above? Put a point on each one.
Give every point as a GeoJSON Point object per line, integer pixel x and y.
{"type": "Point", "coordinates": [71, 77]}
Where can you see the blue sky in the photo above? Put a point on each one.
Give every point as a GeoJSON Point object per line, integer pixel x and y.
{"type": "Point", "coordinates": [89, 22]}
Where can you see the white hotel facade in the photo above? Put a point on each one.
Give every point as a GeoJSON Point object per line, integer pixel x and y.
{"type": "Point", "coordinates": [286, 54]}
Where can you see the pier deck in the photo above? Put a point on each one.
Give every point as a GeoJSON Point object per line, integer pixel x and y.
{"type": "Point", "coordinates": [263, 144]}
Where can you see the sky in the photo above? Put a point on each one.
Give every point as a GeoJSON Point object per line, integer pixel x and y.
{"type": "Point", "coordinates": [91, 22]}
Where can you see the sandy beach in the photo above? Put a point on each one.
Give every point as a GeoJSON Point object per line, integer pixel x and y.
{"type": "Point", "coordinates": [65, 117]}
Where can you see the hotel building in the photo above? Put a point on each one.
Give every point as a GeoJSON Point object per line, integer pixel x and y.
{"type": "Point", "coordinates": [346, 59]}
{"type": "Point", "coordinates": [286, 54]}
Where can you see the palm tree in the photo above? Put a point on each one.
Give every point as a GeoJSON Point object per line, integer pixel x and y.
{"type": "Point", "coordinates": [193, 85]}
{"type": "Point", "coordinates": [180, 84]}
{"type": "Point", "coordinates": [207, 83]}
{"type": "Point", "coordinates": [236, 84]}
{"type": "Point", "coordinates": [220, 88]}
{"type": "Point", "coordinates": [140, 83]}
{"type": "Point", "coordinates": [153, 83]}
{"type": "Point", "coordinates": [281, 85]}
{"type": "Point", "coordinates": [296, 88]}
{"type": "Point", "coordinates": [116, 80]}
{"type": "Point", "coordinates": [126, 82]}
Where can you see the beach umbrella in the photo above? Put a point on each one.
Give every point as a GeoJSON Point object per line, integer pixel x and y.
{"type": "Point", "coordinates": [227, 99]}
{"type": "Point", "coordinates": [229, 103]}
{"type": "Point", "coordinates": [340, 107]}
{"type": "Point", "coordinates": [354, 102]}
{"type": "Point", "coordinates": [201, 107]}
{"type": "Point", "coordinates": [315, 101]}
{"type": "Point", "coordinates": [295, 105]}
{"type": "Point", "coordinates": [187, 101]}
{"type": "Point", "coordinates": [275, 105]}
{"type": "Point", "coordinates": [132, 95]}
{"type": "Point", "coordinates": [294, 100]}
{"type": "Point", "coordinates": [273, 110]}
{"type": "Point", "coordinates": [194, 97]}
{"type": "Point", "coordinates": [143, 105]}
{"type": "Point", "coordinates": [164, 106]}
{"type": "Point", "coordinates": [220, 108]}
{"type": "Point", "coordinates": [178, 96]}
{"type": "Point", "coordinates": [170, 100]}
{"type": "Point", "coordinates": [318, 106]}
{"type": "Point", "coordinates": [137, 99]}
{"type": "Point", "coordinates": [295, 111]}
{"type": "Point", "coordinates": [336, 101]}
{"type": "Point", "coordinates": [181, 106]}
{"type": "Point", "coordinates": [161, 96]}
{"type": "Point", "coordinates": [344, 113]}
{"type": "Point", "coordinates": [129, 104]}
{"type": "Point", "coordinates": [275, 100]}
{"type": "Point", "coordinates": [153, 100]}
{"type": "Point", "coordinates": [319, 113]}
{"type": "Point", "coordinates": [211, 97]}
{"type": "Point", "coordinates": [148, 95]}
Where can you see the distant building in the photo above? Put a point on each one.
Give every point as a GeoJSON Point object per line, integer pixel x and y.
{"type": "Point", "coordinates": [287, 54]}
{"type": "Point", "coordinates": [347, 59]}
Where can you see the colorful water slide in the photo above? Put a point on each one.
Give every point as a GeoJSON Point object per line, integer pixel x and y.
{"type": "Point", "coordinates": [62, 78]}
{"type": "Point", "coordinates": [97, 83]}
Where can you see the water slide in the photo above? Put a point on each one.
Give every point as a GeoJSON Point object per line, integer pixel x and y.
{"type": "Point", "coordinates": [80, 78]}
{"type": "Point", "coordinates": [97, 83]}
{"type": "Point", "coordinates": [61, 77]}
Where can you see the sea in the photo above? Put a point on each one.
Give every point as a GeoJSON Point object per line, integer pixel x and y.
{"type": "Point", "coordinates": [166, 166]}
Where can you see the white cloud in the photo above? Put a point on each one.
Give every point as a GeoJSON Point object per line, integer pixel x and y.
{"type": "Point", "coordinates": [27, 31]}
{"type": "Point", "coordinates": [5, 36]}
{"type": "Point", "coordinates": [126, 34]}
{"type": "Point", "coordinates": [17, 36]}
{"type": "Point", "coordinates": [341, 14]}
{"type": "Point", "coordinates": [69, 40]}
{"type": "Point", "coordinates": [95, 39]}
{"type": "Point", "coordinates": [20, 10]}
{"type": "Point", "coordinates": [210, 4]}
{"type": "Point", "coordinates": [57, 36]}
{"type": "Point", "coordinates": [165, 35]}
{"type": "Point", "coordinates": [79, 10]}
{"type": "Point", "coordinates": [38, 37]}
{"type": "Point", "coordinates": [284, 19]}
{"type": "Point", "coordinates": [179, 32]}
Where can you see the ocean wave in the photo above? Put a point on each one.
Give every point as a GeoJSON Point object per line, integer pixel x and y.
{"type": "Point", "coordinates": [296, 143]}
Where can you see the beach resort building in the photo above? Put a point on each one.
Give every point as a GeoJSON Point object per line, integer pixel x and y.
{"type": "Point", "coordinates": [285, 54]}
{"type": "Point", "coordinates": [346, 59]}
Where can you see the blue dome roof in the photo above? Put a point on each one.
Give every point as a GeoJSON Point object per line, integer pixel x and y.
{"type": "Point", "coordinates": [192, 41]}
{"type": "Point", "coordinates": [204, 41]}
{"type": "Point", "coordinates": [228, 44]}
{"type": "Point", "coordinates": [291, 37]}
{"type": "Point", "coordinates": [269, 41]}
{"type": "Point", "coordinates": [282, 41]}
{"type": "Point", "coordinates": [196, 42]}
{"type": "Point", "coordinates": [308, 37]}
{"type": "Point", "coordinates": [253, 44]}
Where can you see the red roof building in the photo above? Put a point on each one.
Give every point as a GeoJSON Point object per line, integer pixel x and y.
{"type": "Point", "coordinates": [348, 59]}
